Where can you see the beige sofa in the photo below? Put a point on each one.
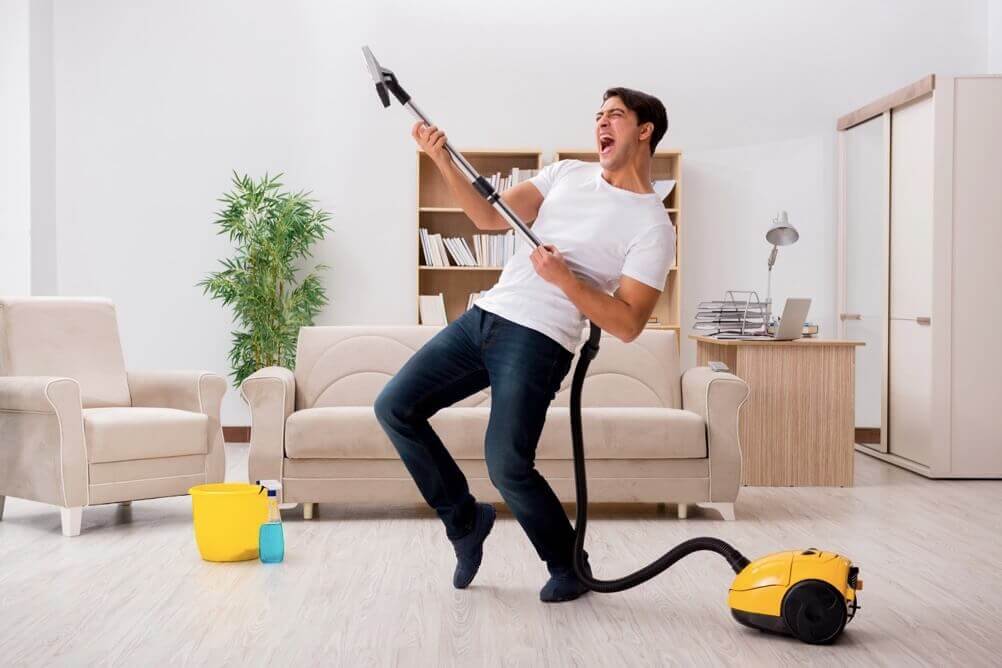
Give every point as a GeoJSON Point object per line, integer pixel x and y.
{"type": "Point", "coordinates": [77, 429]}
{"type": "Point", "coordinates": [651, 433]}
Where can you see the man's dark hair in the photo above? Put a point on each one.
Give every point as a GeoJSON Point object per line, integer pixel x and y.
{"type": "Point", "coordinates": [647, 108]}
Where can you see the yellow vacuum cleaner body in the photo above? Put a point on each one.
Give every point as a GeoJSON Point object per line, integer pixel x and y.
{"type": "Point", "coordinates": [809, 594]}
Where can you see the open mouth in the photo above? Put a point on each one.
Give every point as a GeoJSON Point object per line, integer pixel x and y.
{"type": "Point", "coordinates": [606, 144]}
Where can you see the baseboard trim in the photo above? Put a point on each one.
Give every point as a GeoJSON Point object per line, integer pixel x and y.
{"type": "Point", "coordinates": [867, 435]}
{"type": "Point", "coordinates": [900, 462]}
{"type": "Point", "coordinates": [236, 434]}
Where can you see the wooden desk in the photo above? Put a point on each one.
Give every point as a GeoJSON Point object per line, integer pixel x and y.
{"type": "Point", "coordinates": [797, 427]}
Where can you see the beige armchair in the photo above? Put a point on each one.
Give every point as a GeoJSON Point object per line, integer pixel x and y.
{"type": "Point", "coordinates": [77, 429]}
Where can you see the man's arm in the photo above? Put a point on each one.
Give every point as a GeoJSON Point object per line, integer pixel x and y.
{"type": "Point", "coordinates": [624, 314]}
{"type": "Point", "coordinates": [524, 199]}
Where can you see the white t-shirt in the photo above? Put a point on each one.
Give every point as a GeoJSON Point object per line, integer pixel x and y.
{"type": "Point", "coordinates": [602, 231]}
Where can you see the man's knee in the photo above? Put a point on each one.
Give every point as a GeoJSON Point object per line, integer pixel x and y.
{"type": "Point", "coordinates": [390, 408]}
{"type": "Point", "coordinates": [507, 470]}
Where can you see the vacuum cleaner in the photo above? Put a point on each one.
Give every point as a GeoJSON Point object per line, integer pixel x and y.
{"type": "Point", "coordinates": [809, 594]}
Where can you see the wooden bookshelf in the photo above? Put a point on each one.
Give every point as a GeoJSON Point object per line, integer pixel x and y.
{"type": "Point", "coordinates": [438, 213]}
{"type": "Point", "coordinates": [666, 165]}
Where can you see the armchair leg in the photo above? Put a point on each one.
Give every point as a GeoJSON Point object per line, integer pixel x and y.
{"type": "Point", "coordinates": [125, 504]}
{"type": "Point", "coordinates": [2, 500]}
{"type": "Point", "coordinates": [726, 510]}
{"type": "Point", "coordinates": [71, 520]}
{"type": "Point", "coordinates": [683, 511]}
{"type": "Point", "coordinates": [307, 511]}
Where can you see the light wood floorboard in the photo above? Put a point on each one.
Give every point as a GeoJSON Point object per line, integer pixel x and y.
{"type": "Point", "coordinates": [371, 586]}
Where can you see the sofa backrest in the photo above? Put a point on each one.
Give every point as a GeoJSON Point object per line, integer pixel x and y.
{"type": "Point", "coordinates": [349, 365]}
{"type": "Point", "coordinates": [65, 336]}
{"type": "Point", "coordinates": [643, 373]}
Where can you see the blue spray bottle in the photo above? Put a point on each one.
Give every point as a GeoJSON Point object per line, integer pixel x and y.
{"type": "Point", "coordinates": [271, 540]}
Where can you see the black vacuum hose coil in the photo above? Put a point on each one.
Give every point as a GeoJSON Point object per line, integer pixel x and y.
{"type": "Point", "coordinates": [736, 560]}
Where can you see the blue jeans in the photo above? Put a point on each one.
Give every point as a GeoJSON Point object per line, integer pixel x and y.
{"type": "Point", "coordinates": [524, 369]}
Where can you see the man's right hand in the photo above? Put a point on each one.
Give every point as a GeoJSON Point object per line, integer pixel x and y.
{"type": "Point", "coordinates": [432, 141]}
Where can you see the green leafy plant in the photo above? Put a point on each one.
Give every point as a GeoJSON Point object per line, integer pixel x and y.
{"type": "Point", "coordinates": [273, 233]}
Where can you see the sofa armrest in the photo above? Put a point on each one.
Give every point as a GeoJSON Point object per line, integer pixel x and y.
{"type": "Point", "coordinates": [718, 398]}
{"type": "Point", "coordinates": [43, 456]}
{"type": "Point", "coordinates": [271, 394]}
{"type": "Point", "coordinates": [194, 391]}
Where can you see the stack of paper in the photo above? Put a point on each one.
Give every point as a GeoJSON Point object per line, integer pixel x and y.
{"type": "Point", "coordinates": [731, 316]}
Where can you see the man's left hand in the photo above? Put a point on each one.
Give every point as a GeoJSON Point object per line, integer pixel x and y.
{"type": "Point", "coordinates": [550, 264]}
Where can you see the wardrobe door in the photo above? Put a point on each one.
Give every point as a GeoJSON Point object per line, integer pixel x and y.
{"type": "Point", "coordinates": [910, 294]}
{"type": "Point", "coordinates": [910, 390]}
{"type": "Point", "coordinates": [866, 159]}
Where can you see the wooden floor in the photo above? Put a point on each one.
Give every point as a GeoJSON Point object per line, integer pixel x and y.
{"type": "Point", "coordinates": [367, 587]}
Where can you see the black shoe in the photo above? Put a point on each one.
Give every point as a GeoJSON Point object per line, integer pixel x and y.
{"type": "Point", "coordinates": [470, 548]}
{"type": "Point", "coordinates": [564, 584]}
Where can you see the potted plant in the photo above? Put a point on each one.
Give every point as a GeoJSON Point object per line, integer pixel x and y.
{"type": "Point", "coordinates": [273, 233]}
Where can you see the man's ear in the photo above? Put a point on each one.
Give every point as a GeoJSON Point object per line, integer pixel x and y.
{"type": "Point", "coordinates": [647, 130]}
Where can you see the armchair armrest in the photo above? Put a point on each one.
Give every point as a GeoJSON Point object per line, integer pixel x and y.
{"type": "Point", "coordinates": [194, 391]}
{"type": "Point", "coordinates": [271, 394]}
{"type": "Point", "coordinates": [718, 398]}
{"type": "Point", "coordinates": [43, 456]}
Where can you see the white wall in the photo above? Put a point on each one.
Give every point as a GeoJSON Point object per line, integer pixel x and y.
{"type": "Point", "coordinates": [156, 101]}
{"type": "Point", "coordinates": [15, 149]}
{"type": "Point", "coordinates": [44, 269]}
{"type": "Point", "coordinates": [994, 37]}
{"type": "Point", "coordinates": [27, 149]}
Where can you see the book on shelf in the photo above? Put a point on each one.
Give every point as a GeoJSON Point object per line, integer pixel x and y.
{"type": "Point", "coordinates": [474, 296]}
{"type": "Point", "coordinates": [425, 245]}
{"type": "Point", "coordinates": [431, 309]}
{"type": "Point", "coordinates": [438, 250]}
{"type": "Point", "coordinates": [454, 251]}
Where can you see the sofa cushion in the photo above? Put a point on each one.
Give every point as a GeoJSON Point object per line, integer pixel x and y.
{"type": "Point", "coordinates": [123, 434]}
{"type": "Point", "coordinates": [352, 432]}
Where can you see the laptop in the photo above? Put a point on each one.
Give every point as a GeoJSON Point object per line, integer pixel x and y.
{"type": "Point", "coordinates": [791, 324]}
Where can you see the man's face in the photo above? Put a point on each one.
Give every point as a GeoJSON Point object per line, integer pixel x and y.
{"type": "Point", "coordinates": [617, 134]}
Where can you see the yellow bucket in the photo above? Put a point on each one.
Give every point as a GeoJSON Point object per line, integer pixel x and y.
{"type": "Point", "coordinates": [228, 519]}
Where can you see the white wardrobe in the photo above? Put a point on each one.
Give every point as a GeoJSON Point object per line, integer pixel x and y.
{"type": "Point", "coordinates": [920, 273]}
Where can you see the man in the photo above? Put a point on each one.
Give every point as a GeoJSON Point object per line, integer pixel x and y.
{"type": "Point", "coordinates": [608, 247]}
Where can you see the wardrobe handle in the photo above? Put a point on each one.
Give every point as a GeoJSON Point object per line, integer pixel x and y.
{"type": "Point", "coordinates": [923, 320]}
{"type": "Point", "coordinates": [851, 316]}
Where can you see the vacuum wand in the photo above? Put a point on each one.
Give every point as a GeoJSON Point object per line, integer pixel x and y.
{"type": "Point", "coordinates": [386, 82]}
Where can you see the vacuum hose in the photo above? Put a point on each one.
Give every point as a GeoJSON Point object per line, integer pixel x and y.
{"type": "Point", "coordinates": [737, 560]}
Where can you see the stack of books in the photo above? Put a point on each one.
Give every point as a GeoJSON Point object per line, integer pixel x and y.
{"type": "Point", "coordinates": [489, 250]}
{"type": "Point", "coordinates": [494, 250]}
{"type": "Point", "coordinates": [502, 182]}
{"type": "Point", "coordinates": [438, 250]}
{"type": "Point", "coordinates": [737, 314]}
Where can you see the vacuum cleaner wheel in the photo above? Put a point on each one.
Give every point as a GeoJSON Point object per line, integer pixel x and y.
{"type": "Point", "coordinates": [815, 612]}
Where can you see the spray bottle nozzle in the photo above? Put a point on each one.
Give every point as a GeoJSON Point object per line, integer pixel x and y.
{"type": "Point", "coordinates": [273, 486]}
